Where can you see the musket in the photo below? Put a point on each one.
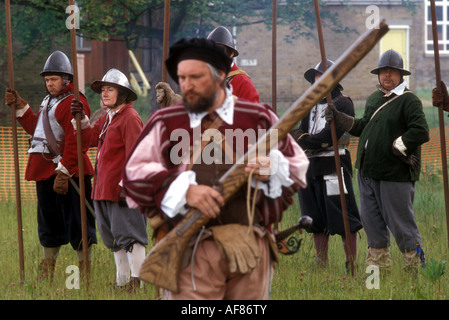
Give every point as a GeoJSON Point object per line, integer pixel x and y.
{"type": "Point", "coordinates": [161, 266]}
{"type": "Point", "coordinates": [436, 55]}
{"type": "Point", "coordinates": [15, 143]}
{"type": "Point", "coordinates": [79, 149]}
{"type": "Point", "coordinates": [344, 209]}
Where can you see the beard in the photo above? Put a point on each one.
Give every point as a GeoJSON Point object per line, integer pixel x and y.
{"type": "Point", "coordinates": [202, 104]}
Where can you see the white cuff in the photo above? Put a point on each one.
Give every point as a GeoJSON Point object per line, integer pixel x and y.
{"type": "Point", "coordinates": [400, 146]}
{"type": "Point", "coordinates": [174, 200]}
{"type": "Point", "coordinates": [279, 176]}
{"type": "Point", "coordinates": [63, 169]}
{"type": "Point", "coordinates": [85, 123]}
{"type": "Point", "coordinates": [21, 112]}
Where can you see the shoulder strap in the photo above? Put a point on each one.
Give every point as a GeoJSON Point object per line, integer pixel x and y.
{"type": "Point", "coordinates": [386, 103]}
{"type": "Point", "coordinates": [52, 144]}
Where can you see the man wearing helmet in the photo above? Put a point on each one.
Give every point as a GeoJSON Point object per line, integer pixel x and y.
{"type": "Point", "coordinates": [320, 199]}
{"type": "Point", "coordinates": [237, 79]}
{"type": "Point", "coordinates": [53, 161]}
{"type": "Point", "coordinates": [391, 133]}
{"type": "Point", "coordinates": [123, 230]}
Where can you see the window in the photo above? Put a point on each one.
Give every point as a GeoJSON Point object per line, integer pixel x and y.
{"type": "Point", "coordinates": [442, 15]}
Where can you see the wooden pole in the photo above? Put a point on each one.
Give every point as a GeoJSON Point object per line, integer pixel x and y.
{"type": "Point", "coordinates": [440, 112]}
{"type": "Point", "coordinates": [85, 243]}
{"type": "Point", "coordinates": [335, 145]}
{"type": "Point", "coordinates": [165, 43]}
{"type": "Point", "coordinates": [166, 38]}
{"type": "Point", "coordinates": [274, 58]}
{"type": "Point", "coordinates": [15, 144]}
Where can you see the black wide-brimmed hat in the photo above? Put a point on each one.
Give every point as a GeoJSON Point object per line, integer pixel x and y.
{"type": "Point", "coordinates": [197, 49]}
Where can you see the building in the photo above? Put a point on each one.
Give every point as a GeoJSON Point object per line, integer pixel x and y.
{"type": "Point", "coordinates": [410, 34]}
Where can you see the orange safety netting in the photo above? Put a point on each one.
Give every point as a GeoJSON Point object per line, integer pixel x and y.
{"type": "Point", "coordinates": [431, 161]}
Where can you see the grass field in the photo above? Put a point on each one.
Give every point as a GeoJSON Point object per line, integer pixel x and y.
{"type": "Point", "coordinates": [296, 277]}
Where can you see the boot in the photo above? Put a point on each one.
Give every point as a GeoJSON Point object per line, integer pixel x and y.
{"type": "Point", "coordinates": [411, 261]}
{"type": "Point", "coordinates": [379, 257]}
{"type": "Point", "coordinates": [133, 285]}
{"type": "Point", "coordinates": [321, 241]}
{"type": "Point", "coordinates": [47, 269]}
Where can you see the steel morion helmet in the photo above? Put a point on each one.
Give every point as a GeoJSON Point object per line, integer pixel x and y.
{"type": "Point", "coordinates": [115, 78]}
{"type": "Point", "coordinates": [391, 59]}
{"type": "Point", "coordinates": [57, 63]}
{"type": "Point", "coordinates": [223, 36]}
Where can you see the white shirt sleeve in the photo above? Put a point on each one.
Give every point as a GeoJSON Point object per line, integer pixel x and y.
{"type": "Point", "coordinates": [174, 200]}
{"type": "Point", "coordinates": [279, 176]}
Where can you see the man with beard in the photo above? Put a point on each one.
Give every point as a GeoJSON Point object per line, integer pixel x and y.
{"type": "Point", "coordinates": [161, 185]}
{"type": "Point", "coordinates": [236, 79]}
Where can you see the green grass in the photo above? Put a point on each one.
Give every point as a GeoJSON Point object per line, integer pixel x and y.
{"type": "Point", "coordinates": [296, 277]}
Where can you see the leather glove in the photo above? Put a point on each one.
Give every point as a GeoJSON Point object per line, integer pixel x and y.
{"type": "Point", "coordinates": [77, 107]}
{"type": "Point", "coordinates": [61, 184]}
{"type": "Point", "coordinates": [441, 98]}
{"type": "Point", "coordinates": [122, 199]}
{"type": "Point", "coordinates": [341, 119]}
{"type": "Point", "coordinates": [238, 246]}
{"type": "Point", "coordinates": [411, 159]}
{"type": "Point", "coordinates": [12, 98]}
{"type": "Point", "coordinates": [165, 94]}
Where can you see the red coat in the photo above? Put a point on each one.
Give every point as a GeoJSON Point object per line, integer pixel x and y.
{"type": "Point", "coordinates": [113, 149]}
{"type": "Point", "coordinates": [242, 85]}
{"type": "Point", "coordinates": [40, 168]}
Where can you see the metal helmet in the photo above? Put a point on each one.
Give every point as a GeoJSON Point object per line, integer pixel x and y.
{"type": "Point", "coordinates": [311, 73]}
{"type": "Point", "coordinates": [391, 59]}
{"type": "Point", "coordinates": [115, 78]}
{"type": "Point", "coordinates": [223, 36]}
{"type": "Point", "coordinates": [57, 63]}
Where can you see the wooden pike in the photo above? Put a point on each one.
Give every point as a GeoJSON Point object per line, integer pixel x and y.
{"type": "Point", "coordinates": [79, 150]}
{"type": "Point", "coordinates": [440, 112]}
{"type": "Point", "coordinates": [335, 143]}
{"type": "Point", "coordinates": [15, 143]}
{"type": "Point", "coordinates": [165, 42]}
{"type": "Point", "coordinates": [274, 57]}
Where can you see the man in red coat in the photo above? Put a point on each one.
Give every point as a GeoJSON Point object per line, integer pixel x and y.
{"type": "Point", "coordinates": [53, 162]}
{"type": "Point", "coordinates": [236, 79]}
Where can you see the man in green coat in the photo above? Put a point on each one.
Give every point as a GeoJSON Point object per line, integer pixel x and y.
{"type": "Point", "coordinates": [391, 132]}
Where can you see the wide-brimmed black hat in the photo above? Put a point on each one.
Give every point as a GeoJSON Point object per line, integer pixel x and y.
{"type": "Point", "coordinates": [198, 49]}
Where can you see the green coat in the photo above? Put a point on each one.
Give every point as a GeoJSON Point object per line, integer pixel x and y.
{"type": "Point", "coordinates": [402, 117]}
